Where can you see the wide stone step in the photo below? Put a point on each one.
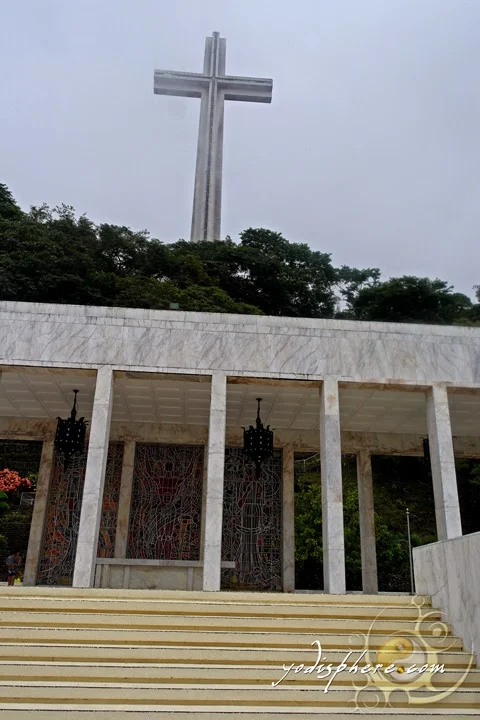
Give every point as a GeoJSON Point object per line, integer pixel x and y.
{"type": "Point", "coordinates": [49, 652]}
{"type": "Point", "coordinates": [374, 625]}
{"type": "Point", "coordinates": [118, 712]}
{"type": "Point", "coordinates": [212, 638]}
{"type": "Point", "coordinates": [72, 604]}
{"type": "Point", "coordinates": [176, 694]}
{"type": "Point", "coordinates": [180, 596]}
{"type": "Point", "coordinates": [195, 674]}
{"type": "Point", "coordinates": [71, 653]}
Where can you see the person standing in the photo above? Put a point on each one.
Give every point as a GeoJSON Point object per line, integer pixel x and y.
{"type": "Point", "coordinates": [13, 563]}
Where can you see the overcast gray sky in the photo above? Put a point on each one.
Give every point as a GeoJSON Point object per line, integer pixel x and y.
{"type": "Point", "coordinates": [369, 150]}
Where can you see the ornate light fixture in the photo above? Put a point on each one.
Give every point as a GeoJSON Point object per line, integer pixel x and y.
{"type": "Point", "coordinates": [70, 435]}
{"type": "Point", "coordinates": [258, 442]}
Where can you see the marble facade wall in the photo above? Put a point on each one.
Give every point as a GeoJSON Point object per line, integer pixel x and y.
{"type": "Point", "coordinates": [248, 345]}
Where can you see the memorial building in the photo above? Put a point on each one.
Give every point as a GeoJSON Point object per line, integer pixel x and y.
{"type": "Point", "coordinates": [160, 572]}
{"type": "Point", "coordinates": [163, 495]}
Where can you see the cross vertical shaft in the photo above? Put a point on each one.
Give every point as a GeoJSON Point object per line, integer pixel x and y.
{"type": "Point", "coordinates": [207, 197]}
{"type": "Point", "coordinates": [213, 87]}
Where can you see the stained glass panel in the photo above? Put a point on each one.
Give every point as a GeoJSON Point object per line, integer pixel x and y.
{"type": "Point", "coordinates": [62, 522]}
{"type": "Point", "coordinates": [63, 515]}
{"type": "Point", "coordinates": [166, 502]}
{"type": "Point", "coordinates": [252, 512]}
{"type": "Point", "coordinates": [111, 495]}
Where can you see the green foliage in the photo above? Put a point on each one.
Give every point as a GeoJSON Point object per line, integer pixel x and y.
{"type": "Point", "coordinates": [213, 299]}
{"type": "Point", "coordinates": [144, 292]}
{"type": "Point", "coordinates": [9, 209]}
{"type": "Point", "coordinates": [350, 281]}
{"type": "Point", "coordinates": [308, 534]}
{"type": "Point", "coordinates": [49, 255]}
{"type": "Point", "coordinates": [264, 272]}
{"type": "Point", "coordinates": [283, 278]}
{"type": "Point", "coordinates": [33, 477]}
{"type": "Point", "coordinates": [23, 456]}
{"type": "Point", "coordinates": [308, 519]}
{"type": "Point", "coordinates": [472, 315]}
{"type": "Point", "coordinates": [308, 525]}
{"type": "Point", "coordinates": [410, 299]}
{"type": "Point", "coordinates": [399, 482]}
{"type": "Point", "coordinates": [4, 504]}
{"type": "Point", "coordinates": [392, 557]}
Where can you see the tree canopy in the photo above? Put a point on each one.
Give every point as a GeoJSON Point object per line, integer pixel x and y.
{"type": "Point", "coordinates": [51, 255]}
{"type": "Point", "coordinates": [410, 299]}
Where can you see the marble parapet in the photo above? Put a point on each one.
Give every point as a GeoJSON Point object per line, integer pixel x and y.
{"type": "Point", "coordinates": [448, 571]}
{"type": "Point", "coordinates": [47, 335]}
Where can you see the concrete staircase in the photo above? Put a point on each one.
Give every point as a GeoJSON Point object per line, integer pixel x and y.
{"type": "Point", "coordinates": [69, 653]}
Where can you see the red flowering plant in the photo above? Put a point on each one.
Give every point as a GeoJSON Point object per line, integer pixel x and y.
{"type": "Point", "coordinates": [10, 480]}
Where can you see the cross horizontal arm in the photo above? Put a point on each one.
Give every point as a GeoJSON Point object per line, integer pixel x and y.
{"type": "Point", "coordinates": [246, 88]}
{"type": "Point", "coordinates": [180, 84]}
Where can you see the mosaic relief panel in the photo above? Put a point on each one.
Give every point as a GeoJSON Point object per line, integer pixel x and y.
{"type": "Point", "coordinates": [166, 506]}
{"type": "Point", "coordinates": [252, 521]}
{"type": "Point", "coordinates": [62, 521]}
{"type": "Point", "coordinates": [111, 496]}
{"type": "Point", "coordinates": [63, 515]}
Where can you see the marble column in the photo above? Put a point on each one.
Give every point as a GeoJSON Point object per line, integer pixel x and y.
{"type": "Point", "coordinates": [125, 500]}
{"type": "Point", "coordinates": [212, 551]}
{"type": "Point", "coordinates": [37, 527]}
{"type": "Point", "coordinates": [332, 500]}
{"type": "Point", "coordinates": [445, 491]}
{"type": "Point", "coordinates": [288, 519]}
{"type": "Point", "coordinates": [367, 523]}
{"type": "Point", "coordinates": [92, 499]}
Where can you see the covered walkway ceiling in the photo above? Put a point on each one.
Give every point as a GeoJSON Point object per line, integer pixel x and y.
{"type": "Point", "coordinates": [151, 399]}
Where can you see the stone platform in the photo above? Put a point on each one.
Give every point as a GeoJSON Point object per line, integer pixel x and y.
{"type": "Point", "coordinates": [96, 653]}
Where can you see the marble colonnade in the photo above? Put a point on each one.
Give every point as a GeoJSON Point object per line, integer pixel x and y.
{"type": "Point", "coordinates": [443, 474]}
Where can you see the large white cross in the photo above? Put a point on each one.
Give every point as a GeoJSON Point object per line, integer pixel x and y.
{"type": "Point", "coordinates": [213, 87]}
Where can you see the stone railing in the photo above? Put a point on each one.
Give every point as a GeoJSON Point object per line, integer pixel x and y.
{"type": "Point", "coordinates": [448, 571]}
{"type": "Point", "coordinates": [151, 574]}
